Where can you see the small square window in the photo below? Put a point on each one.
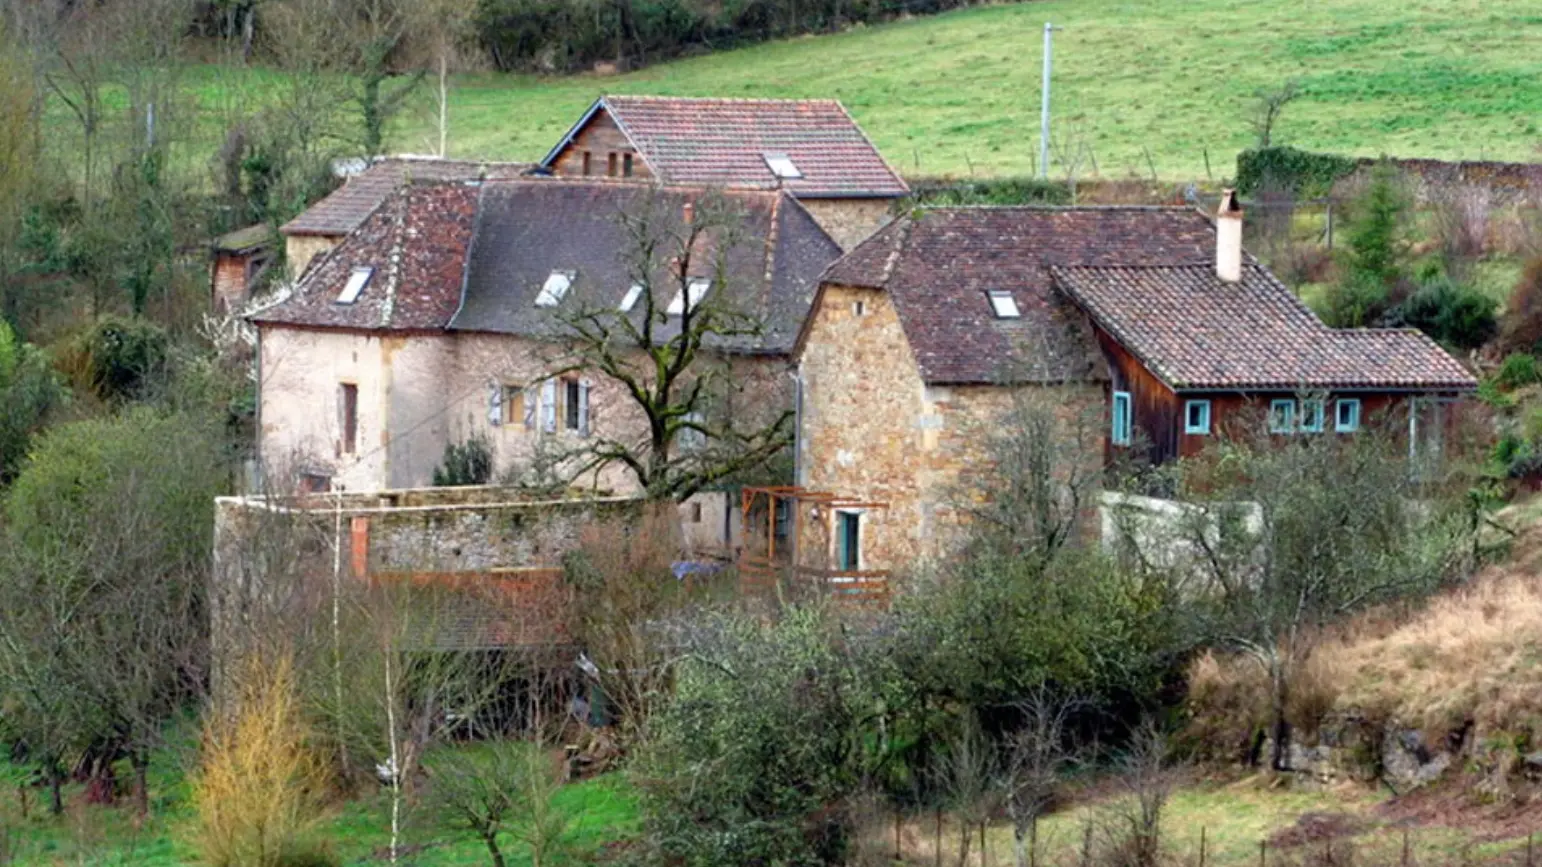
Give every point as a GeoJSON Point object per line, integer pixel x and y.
{"type": "Point", "coordinates": [1311, 415]}
{"type": "Point", "coordinates": [1196, 417]}
{"type": "Point", "coordinates": [782, 166]}
{"type": "Point", "coordinates": [555, 288]}
{"type": "Point", "coordinates": [858, 308]}
{"type": "Point", "coordinates": [1003, 304]}
{"type": "Point", "coordinates": [1282, 416]}
{"type": "Point", "coordinates": [1347, 415]}
{"type": "Point", "coordinates": [355, 285]}
{"type": "Point", "coordinates": [632, 296]}
{"type": "Point", "coordinates": [697, 290]}
{"type": "Point", "coordinates": [1124, 426]}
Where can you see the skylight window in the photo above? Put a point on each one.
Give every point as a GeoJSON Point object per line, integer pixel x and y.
{"type": "Point", "coordinates": [556, 287]}
{"type": "Point", "coordinates": [782, 166]}
{"type": "Point", "coordinates": [1004, 305]}
{"type": "Point", "coordinates": [697, 289]}
{"type": "Point", "coordinates": [632, 295]}
{"type": "Point", "coordinates": [356, 283]}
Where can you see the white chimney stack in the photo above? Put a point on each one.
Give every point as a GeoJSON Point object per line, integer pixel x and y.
{"type": "Point", "coordinates": [1228, 238]}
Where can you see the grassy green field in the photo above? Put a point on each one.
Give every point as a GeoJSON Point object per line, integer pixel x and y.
{"type": "Point", "coordinates": [959, 93]}
{"type": "Point", "coordinates": [603, 811]}
{"type": "Point", "coordinates": [1145, 83]}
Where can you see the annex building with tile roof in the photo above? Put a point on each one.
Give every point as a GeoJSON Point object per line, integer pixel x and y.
{"type": "Point", "coordinates": [1148, 330]}
{"type": "Point", "coordinates": [811, 148]}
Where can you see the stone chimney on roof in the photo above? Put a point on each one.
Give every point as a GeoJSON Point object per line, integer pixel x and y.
{"type": "Point", "coordinates": [1228, 238]}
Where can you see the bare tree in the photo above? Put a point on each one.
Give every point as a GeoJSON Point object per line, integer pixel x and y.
{"type": "Point", "coordinates": [447, 26]}
{"type": "Point", "coordinates": [1037, 757]}
{"type": "Point", "coordinates": [666, 353]}
{"type": "Point", "coordinates": [1268, 105]}
{"type": "Point", "coordinates": [966, 776]}
{"type": "Point", "coordinates": [1135, 832]}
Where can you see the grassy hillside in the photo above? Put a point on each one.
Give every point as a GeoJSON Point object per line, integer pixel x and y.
{"type": "Point", "coordinates": [960, 92]}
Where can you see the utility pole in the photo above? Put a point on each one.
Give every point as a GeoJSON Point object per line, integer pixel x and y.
{"type": "Point", "coordinates": [1049, 30]}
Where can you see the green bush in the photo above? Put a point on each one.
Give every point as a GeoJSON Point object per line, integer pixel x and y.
{"type": "Point", "coordinates": [995, 191]}
{"type": "Point", "coordinates": [755, 757]}
{"type": "Point", "coordinates": [1518, 369]}
{"type": "Point", "coordinates": [1302, 173]}
{"type": "Point", "coordinates": [1451, 313]}
{"type": "Point", "coordinates": [127, 359]}
{"type": "Point", "coordinates": [29, 391]}
{"type": "Point", "coordinates": [467, 463]}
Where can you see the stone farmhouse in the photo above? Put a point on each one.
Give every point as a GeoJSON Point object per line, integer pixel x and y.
{"type": "Point", "coordinates": [442, 317]}
{"type": "Point", "coordinates": [810, 148]}
{"type": "Point", "coordinates": [1153, 320]}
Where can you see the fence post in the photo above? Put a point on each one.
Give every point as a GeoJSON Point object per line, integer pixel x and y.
{"type": "Point", "coordinates": [937, 841]}
{"type": "Point", "coordinates": [1087, 844]}
{"type": "Point", "coordinates": [1405, 847]}
{"type": "Point", "coordinates": [896, 834]}
{"type": "Point", "coordinates": [1263, 850]}
{"type": "Point", "coordinates": [1201, 846]}
{"type": "Point", "coordinates": [1528, 849]}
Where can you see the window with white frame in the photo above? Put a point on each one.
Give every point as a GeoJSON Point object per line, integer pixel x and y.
{"type": "Point", "coordinates": [1003, 304]}
{"type": "Point", "coordinates": [357, 280]}
{"type": "Point", "coordinates": [1196, 417]}
{"type": "Point", "coordinates": [694, 292]}
{"type": "Point", "coordinates": [631, 297]}
{"type": "Point", "coordinates": [549, 406]}
{"type": "Point", "coordinates": [556, 286]}
{"type": "Point", "coordinates": [1282, 416]}
{"type": "Point", "coordinates": [1123, 421]}
{"type": "Point", "coordinates": [1312, 415]}
{"type": "Point", "coordinates": [690, 437]}
{"type": "Point", "coordinates": [1346, 415]}
{"type": "Point", "coordinates": [782, 166]}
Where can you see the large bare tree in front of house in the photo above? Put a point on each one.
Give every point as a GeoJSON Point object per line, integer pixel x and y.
{"type": "Point", "coordinates": [665, 353]}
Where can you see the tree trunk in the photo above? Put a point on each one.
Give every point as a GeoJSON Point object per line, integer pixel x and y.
{"type": "Point", "coordinates": [141, 763]}
{"type": "Point", "coordinates": [491, 839]}
{"type": "Point", "coordinates": [1279, 726]}
{"type": "Point", "coordinates": [56, 792]}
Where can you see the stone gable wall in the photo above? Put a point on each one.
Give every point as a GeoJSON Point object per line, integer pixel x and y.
{"type": "Point", "coordinates": [850, 221]}
{"type": "Point", "coordinates": [874, 432]}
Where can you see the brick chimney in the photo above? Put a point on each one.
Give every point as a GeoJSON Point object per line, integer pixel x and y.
{"type": "Point", "coordinates": [688, 211]}
{"type": "Point", "coordinates": [1228, 238]}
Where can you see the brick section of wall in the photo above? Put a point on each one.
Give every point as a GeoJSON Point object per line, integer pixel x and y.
{"type": "Point", "coordinates": [873, 432]}
{"type": "Point", "coordinates": [849, 221]}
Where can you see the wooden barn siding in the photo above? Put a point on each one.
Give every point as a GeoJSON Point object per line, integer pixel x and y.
{"type": "Point", "coordinates": [1159, 411]}
{"type": "Point", "coordinates": [1155, 407]}
{"type": "Point", "coordinates": [601, 137]}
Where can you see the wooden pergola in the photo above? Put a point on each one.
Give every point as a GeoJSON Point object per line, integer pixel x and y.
{"type": "Point", "coordinates": [761, 568]}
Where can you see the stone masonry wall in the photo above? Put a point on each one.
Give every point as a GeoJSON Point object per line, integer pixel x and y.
{"type": "Point", "coordinates": [873, 432]}
{"type": "Point", "coordinates": [849, 221]}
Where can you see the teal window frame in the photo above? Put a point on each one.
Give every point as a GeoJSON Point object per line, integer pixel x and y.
{"type": "Point", "coordinates": [1190, 426]}
{"type": "Point", "coordinates": [1353, 405]}
{"type": "Point", "coordinates": [1305, 412]}
{"type": "Point", "coordinates": [1282, 416]}
{"type": "Point", "coordinates": [848, 541]}
{"type": "Point", "coordinates": [1123, 419]}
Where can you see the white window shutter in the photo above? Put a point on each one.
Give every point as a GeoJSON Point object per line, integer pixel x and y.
{"type": "Point", "coordinates": [494, 404]}
{"type": "Point", "coordinates": [549, 406]}
{"type": "Point", "coordinates": [583, 408]}
{"type": "Point", "coordinates": [531, 399]}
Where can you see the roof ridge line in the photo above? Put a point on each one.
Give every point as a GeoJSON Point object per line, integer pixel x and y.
{"type": "Point", "coordinates": [659, 97]}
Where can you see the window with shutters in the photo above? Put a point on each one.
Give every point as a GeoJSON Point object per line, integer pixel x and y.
{"type": "Point", "coordinates": [570, 403]}
{"type": "Point", "coordinates": [549, 406]}
{"type": "Point", "coordinates": [1123, 420]}
{"type": "Point", "coordinates": [513, 405]}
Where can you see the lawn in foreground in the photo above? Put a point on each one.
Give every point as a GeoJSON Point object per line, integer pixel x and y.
{"type": "Point", "coordinates": [358, 832]}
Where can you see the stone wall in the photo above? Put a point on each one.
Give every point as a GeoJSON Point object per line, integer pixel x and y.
{"type": "Point", "coordinates": [850, 221]}
{"type": "Point", "coordinates": [299, 250]}
{"type": "Point", "coordinates": [872, 432]}
{"type": "Point", "coordinates": [1502, 184]}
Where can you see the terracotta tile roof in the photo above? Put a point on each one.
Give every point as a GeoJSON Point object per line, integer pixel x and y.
{"type": "Point", "coordinates": [724, 142]}
{"type": "Point", "coordinates": [530, 228]}
{"type": "Point", "coordinates": [938, 265]}
{"type": "Point", "coordinates": [1195, 331]}
{"type": "Point", "coordinates": [346, 208]}
{"type": "Point", "coordinates": [415, 243]}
